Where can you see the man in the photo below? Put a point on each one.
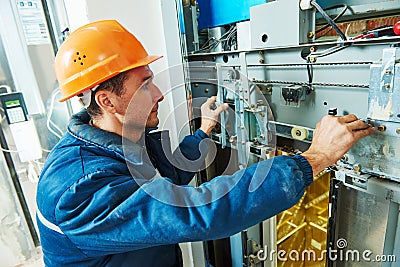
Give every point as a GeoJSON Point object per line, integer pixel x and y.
{"type": "Point", "coordinates": [97, 202]}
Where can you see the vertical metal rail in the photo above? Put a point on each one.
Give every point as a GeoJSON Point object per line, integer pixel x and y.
{"type": "Point", "coordinates": [53, 39]}
{"type": "Point", "coordinates": [241, 102]}
{"type": "Point", "coordinates": [221, 99]}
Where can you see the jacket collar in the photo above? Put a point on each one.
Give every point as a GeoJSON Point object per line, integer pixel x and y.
{"type": "Point", "coordinates": [130, 151]}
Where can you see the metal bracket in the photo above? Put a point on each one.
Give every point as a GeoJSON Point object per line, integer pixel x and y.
{"type": "Point", "coordinates": [387, 70]}
{"type": "Point", "coordinates": [253, 248]}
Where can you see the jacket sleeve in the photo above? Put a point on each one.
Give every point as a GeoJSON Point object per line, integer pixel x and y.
{"type": "Point", "coordinates": [189, 157]}
{"type": "Point", "coordinates": [181, 165]}
{"type": "Point", "coordinates": [120, 216]}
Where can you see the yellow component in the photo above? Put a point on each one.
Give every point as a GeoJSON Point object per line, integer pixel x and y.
{"type": "Point", "coordinates": [299, 133]}
{"type": "Point", "coordinates": [306, 227]}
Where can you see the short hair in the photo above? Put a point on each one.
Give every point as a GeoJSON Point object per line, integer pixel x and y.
{"type": "Point", "coordinates": [114, 84]}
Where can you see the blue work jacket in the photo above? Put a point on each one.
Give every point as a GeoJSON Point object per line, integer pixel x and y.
{"type": "Point", "coordinates": [93, 212]}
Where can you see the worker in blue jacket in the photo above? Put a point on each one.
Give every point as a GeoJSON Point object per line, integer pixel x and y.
{"type": "Point", "coordinates": [109, 193]}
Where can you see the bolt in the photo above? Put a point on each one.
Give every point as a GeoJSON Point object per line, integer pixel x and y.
{"type": "Point", "coordinates": [387, 86]}
{"type": "Point", "coordinates": [313, 59]}
{"type": "Point", "coordinates": [398, 131]}
{"type": "Point", "coordinates": [262, 137]}
{"type": "Point", "coordinates": [357, 167]}
{"type": "Point", "coordinates": [260, 53]}
{"type": "Point", "coordinates": [261, 61]}
{"type": "Point", "coordinates": [242, 127]}
{"type": "Point", "coordinates": [388, 72]}
{"type": "Point", "coordinates": [313, 49]}
{"type": "Point", "coordinates": [262, 114]}
{"type": "Point", "coordinates": [196, 85]}
{"type": "Point", "coordinates": [381, 128]}
{"type": "Point", "coordinates": [206, 90]}
{"type": "Point", "coordinates": [310, 35]}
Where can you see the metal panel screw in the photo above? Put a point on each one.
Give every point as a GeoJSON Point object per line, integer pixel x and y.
{"type": "Point", "coordinates": [357, 167]}
{"type": "Point", "coordinates": [381, 128]}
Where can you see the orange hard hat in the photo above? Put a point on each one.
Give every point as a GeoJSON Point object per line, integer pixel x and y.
{"type": "Point", "coordinates": [94, 53]}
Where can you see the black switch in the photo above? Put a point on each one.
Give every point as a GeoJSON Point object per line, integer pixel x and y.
{"type": "Point", "coordinates": [332, 111]}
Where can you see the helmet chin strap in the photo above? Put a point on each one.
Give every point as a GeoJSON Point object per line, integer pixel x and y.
{"type": "Point", "coordinates": [85, 97]}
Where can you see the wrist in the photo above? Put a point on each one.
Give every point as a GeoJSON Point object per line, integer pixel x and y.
{"type": "Point", "coordinates": [207, 127]}
{"type": "Point", "coordinates": [317, 161]}
{"type": "Point", "coordinates": [206, 130]}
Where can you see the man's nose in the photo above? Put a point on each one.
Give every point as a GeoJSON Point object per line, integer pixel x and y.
{"type": "Point", "coordinates": [157, 95]}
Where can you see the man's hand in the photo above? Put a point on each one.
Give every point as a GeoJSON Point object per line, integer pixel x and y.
{"type": "Point", "coordinates": [333, 137]}
{"type": "Point", "coordinates": [209, 114]}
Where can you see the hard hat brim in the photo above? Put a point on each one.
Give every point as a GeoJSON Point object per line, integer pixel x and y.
{"type": "Point", "coordinates": [145, 61]}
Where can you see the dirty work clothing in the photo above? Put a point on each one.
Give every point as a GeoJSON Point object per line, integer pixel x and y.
{"type": "Point", "coordinates": [92, 212]}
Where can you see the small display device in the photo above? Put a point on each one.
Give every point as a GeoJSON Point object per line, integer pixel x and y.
{"type": "Point", "coordinates": [14, 107]}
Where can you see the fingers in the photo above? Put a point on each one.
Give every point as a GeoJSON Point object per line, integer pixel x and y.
{"type": "Point", "coordinates": [211, 104]}
{"type": "Point", "coordinates": [348, 118]}
{"type": "Point", "coordinates": [221, 108]}
{"type": "Point", "coordinates": [211, 100]}
{"type": "Point", "coordinates": [358, 125]}
{"type": "Point", "coordinates": [363, 133]}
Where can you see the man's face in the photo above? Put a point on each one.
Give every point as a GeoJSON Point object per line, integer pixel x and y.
{"type": "Point", "coordinates": [139, 102]}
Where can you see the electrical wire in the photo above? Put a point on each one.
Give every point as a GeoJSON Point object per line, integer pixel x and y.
{"type": "Point", "coordinates": [45, 150]}
{"type": "Point", "coordinates": [212, 42]}
{"type": "Point", "coordinates": [33, 171]}
{"type": "Point", "coordinates": [329, 20]}
{"type": "Point", "coordinates": [230, 39]}
{"type": "Point", "coordinates": [327, 52]}
{"type": "Point", "coordinates": [49, 121]}
{"type": "Point", "coordinates": [341, 13]}
{"type": "Point", "coordinates": [310, 73]}
{"type": "Point", "coordinates": [8, 150]}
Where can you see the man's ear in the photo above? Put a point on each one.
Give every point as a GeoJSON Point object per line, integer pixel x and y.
{"type": "Point", "coordinates": [104, 100]}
